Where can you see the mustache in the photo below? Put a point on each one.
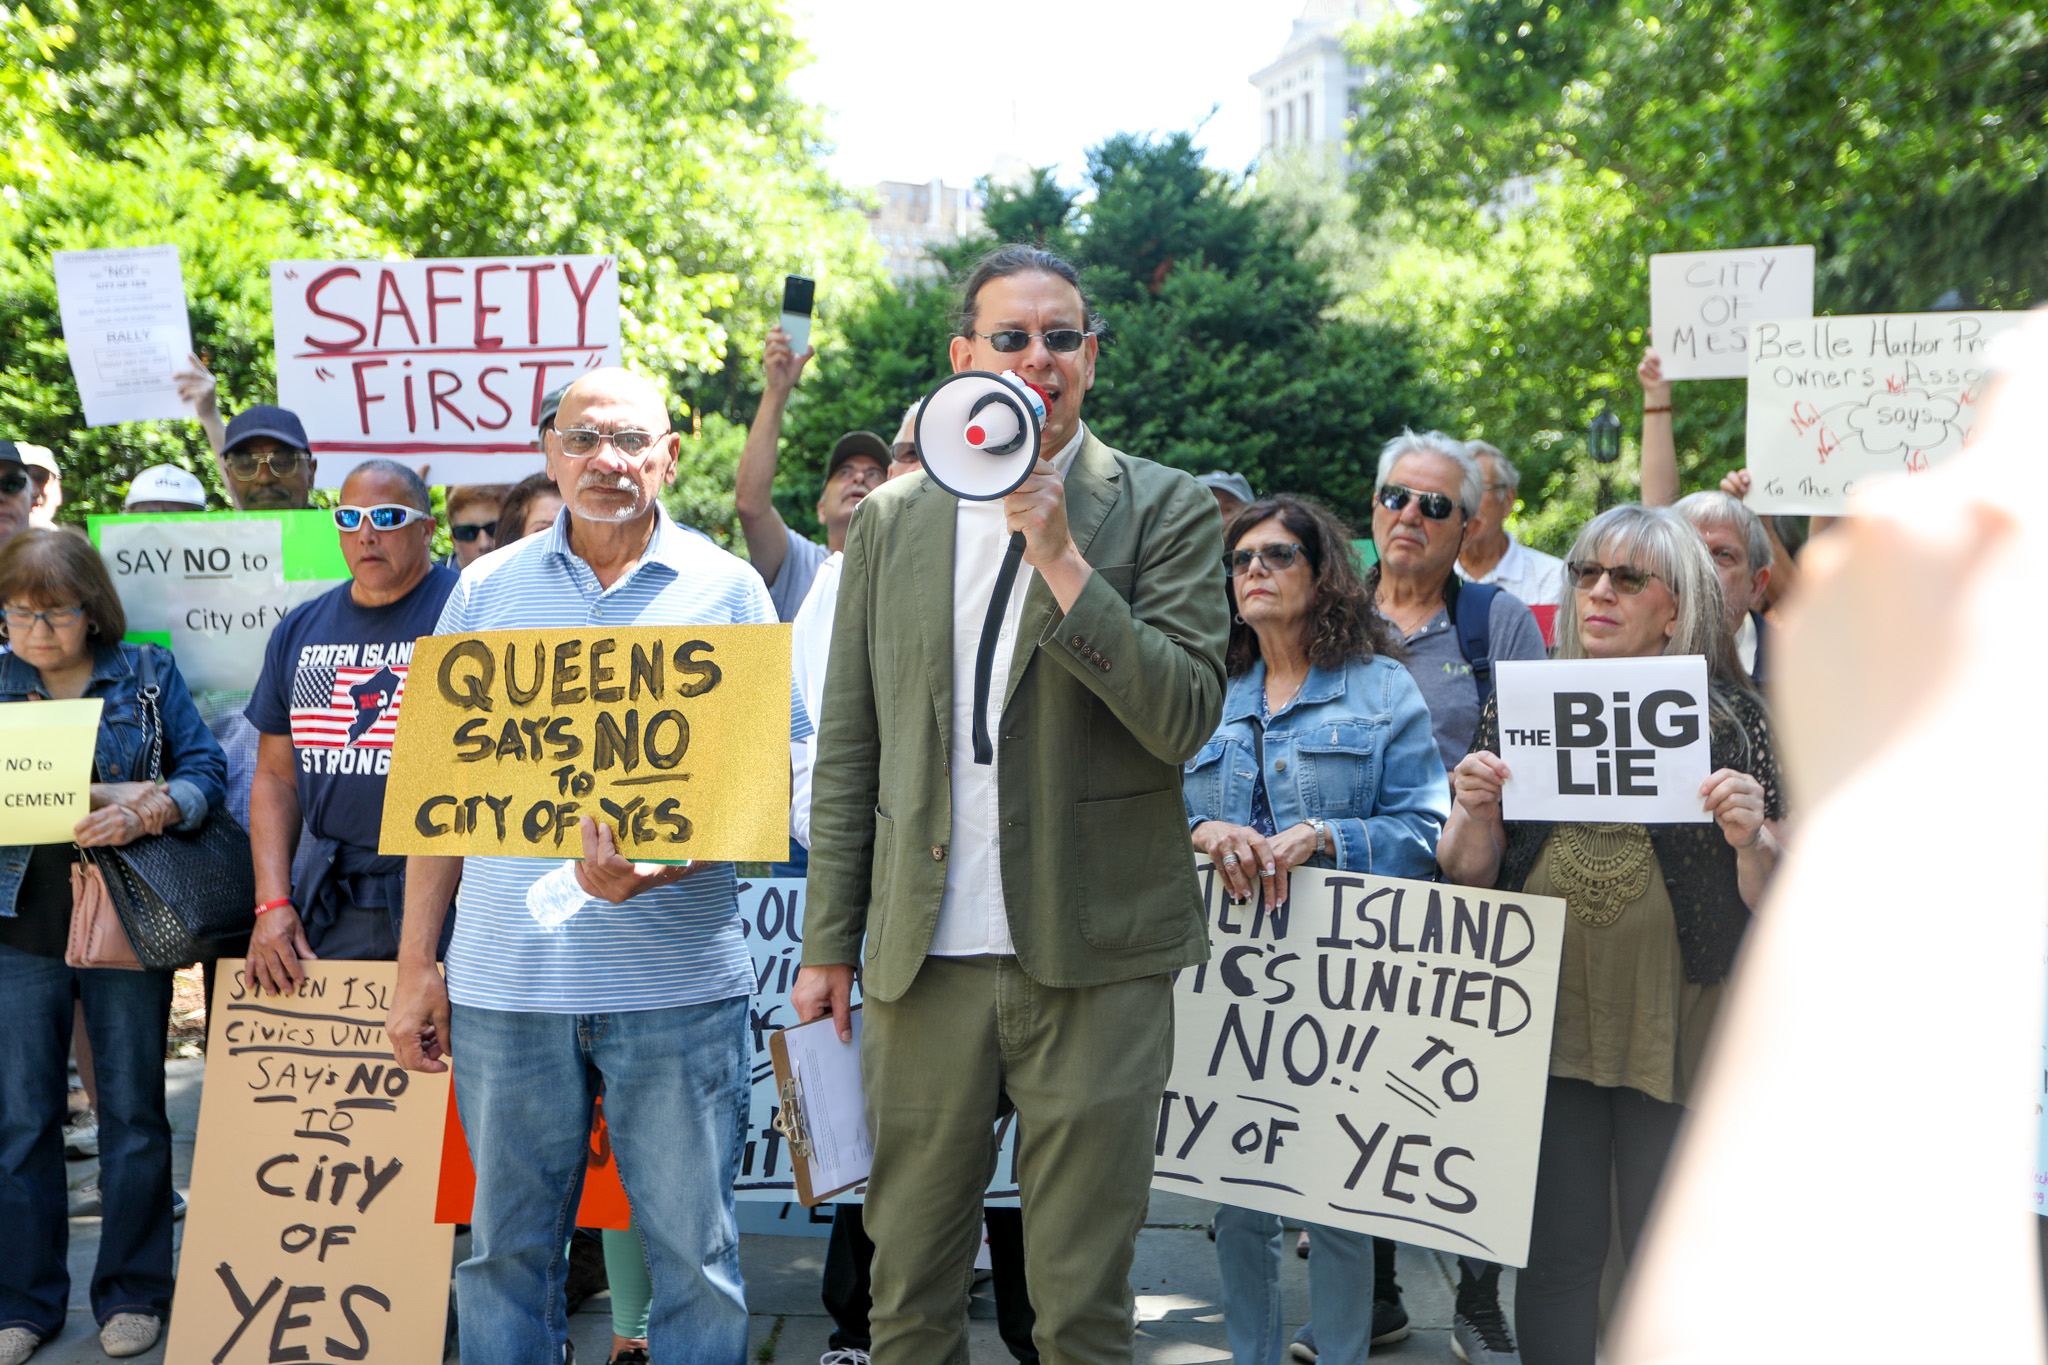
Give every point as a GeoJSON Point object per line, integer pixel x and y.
{"type": "Point", "coordinates": [597, 478]}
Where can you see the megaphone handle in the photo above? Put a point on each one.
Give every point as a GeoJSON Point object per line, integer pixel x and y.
{"type": "Point", "coordinates": [985, 656]}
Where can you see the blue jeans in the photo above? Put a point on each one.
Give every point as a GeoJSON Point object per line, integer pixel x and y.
{"type": "Point", "coordinates": [1248, 1251]}
{"type": "Point", "coordinates": [126, 1016]}
{"type": "Point", "coordinates": [675, 1085]}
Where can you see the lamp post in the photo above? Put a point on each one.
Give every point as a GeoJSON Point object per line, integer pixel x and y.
{"type": "Point", "coordinates": [1603, 443]}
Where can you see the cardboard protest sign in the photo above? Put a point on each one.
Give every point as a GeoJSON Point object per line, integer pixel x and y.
{"type": "Point", "coordinates": [46, 768]}
{"type": "Point", "coordinates": [127, 330]}
{"type": "Point", "coordinates": [1604, 739]}
{"type": "Point", "coordinates": [1372, 1056]}
{"type": "Point", "coordinates": [1704, 303]}
{"type": "Point", "coordinates": [211, 586]}
{"type": "Point", "coordinates": [440, 362]}
{"type": "Point", "coordinates": [771, 912]}
{"type": "Point", "coordinates": [508, 738]}
{"type": "Point", "coordinates": [312, 1231]}
{"type": "Point", "coordinates": [1834, 402]}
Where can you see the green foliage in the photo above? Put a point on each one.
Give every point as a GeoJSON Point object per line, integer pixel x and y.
{"type": "Point", "coordinates": [30, 95]}
{"type": "Point", "coordinates": [702, 494]}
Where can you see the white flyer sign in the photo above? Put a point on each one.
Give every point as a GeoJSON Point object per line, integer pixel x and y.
{"type": "Point", "coordinates": [439, 363]}
{"type": "Point", "coordinates": [1704, 303]}
{"type": "Point", "coordinates": [1374, 1056]}
{"type": "Point", "coordinates": [1835, 402]}
{"type": "Point", "coordinates": [1605, 739]}
{"type": "Point", "coordinates": [127, 330]}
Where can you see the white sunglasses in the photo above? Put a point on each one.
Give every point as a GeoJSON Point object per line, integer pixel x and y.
{"type": "Point", "coordinates": [385, 516]}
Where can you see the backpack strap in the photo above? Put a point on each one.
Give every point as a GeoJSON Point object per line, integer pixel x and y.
{"type": "Point", "coordinates": [1470, 608]}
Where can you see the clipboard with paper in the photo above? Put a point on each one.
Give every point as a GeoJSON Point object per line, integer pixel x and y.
{"type": "Point", "coordinates": [822, 1112]}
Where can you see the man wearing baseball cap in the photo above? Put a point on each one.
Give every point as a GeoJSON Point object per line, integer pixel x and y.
{"type": "Point", "coordinates": [17, 491]}
{"type": "Point", "coordinates": [1232, 491]}
{"type": "Point", "coordinates": [268, 461]}
{"type": "Point", "coordinates": [165, 488]}
{"type": "Point", "coordinates": [49, 490]}
{"type": "Point", "coordinates": [859, 463]}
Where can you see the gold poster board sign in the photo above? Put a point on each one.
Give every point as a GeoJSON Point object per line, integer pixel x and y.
{"type": "Point", "coordinates": [677, 737]}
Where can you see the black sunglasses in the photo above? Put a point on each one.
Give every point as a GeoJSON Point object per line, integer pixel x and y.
{"type": "Point", "coordinates": [1435, 506]}
{"type": "Point", "coordinates": [1277, 557]}
{"type": "Point", "coordinates": [1627, 579]}
{"type": "Point", "coordinates": [465, 531]}
{"type": "Point", "coordinates": [1009, 339]}
{"type": "Point", "coordinates": [12, 482]}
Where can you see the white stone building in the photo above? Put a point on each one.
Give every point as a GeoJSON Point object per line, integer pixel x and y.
{"type": "Point", "coordinates": [911, 217]}
{"type": "Point", "coordinates": [1305, 95]}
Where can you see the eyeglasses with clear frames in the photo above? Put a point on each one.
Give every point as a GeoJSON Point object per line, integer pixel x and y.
{"type": "Point", "coordinates": [580, 443]}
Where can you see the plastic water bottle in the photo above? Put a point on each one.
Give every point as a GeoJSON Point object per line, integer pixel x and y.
{"type": "Point", "coordinates": [557, 896]}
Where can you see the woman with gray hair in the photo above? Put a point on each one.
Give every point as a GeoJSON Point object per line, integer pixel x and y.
{"type": "Point", "coordinates": [1657, 913]}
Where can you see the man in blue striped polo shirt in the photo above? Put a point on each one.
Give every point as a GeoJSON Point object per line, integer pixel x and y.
{"type": "Point", "coordinates": [642, 988]}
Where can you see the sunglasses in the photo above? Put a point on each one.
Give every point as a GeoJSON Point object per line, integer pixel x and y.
{"type": "Point", "coordinates": [12, 482]}
{"type": "Point", "coordinates": [385, 516]}
{"type": "Point", "coordinates": [1627, 579]}
{"type": "Point", "coordinates": [1435, 506]}
{"type": "Point", "coordinates": [1061, 339]}
{"type": "Point", "coordinates": [581, 442]}
{"type": "Point", "coordinates": [466, 532]}
{"type": "Point", "coordinates": [1276, 557]}
{"type": "Point", "coordinates": [283, 464]}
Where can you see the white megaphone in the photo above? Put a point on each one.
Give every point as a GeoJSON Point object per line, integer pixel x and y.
{"type": "Point", "coordinates": [978, 435]}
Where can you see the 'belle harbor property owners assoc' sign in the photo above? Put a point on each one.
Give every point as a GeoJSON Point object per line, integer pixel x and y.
{"type": "Point", "coordinates": [437, 362]}
{"type": "Point", "coordinates": [1373, 1056]}
{"type": "Point", "coordinates": [675, 736]}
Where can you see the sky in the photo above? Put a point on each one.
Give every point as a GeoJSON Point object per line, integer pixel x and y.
{"type": "Point", "coordinates": [917, 89]}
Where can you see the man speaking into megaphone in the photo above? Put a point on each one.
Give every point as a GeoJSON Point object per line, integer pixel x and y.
{"type": "Point", "coordinates": [1015, 912]}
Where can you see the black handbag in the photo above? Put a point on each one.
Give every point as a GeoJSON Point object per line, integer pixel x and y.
{"type": "Point", "coordinates": [178, 893]}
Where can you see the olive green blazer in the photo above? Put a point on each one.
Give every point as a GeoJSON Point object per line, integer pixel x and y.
{"type": "Point", "coordinates": [1104, 704]}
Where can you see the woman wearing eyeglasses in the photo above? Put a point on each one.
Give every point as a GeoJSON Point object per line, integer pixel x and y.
{"type": "Point", "coordinates": [64, 625]}
{"type": "Point", "coordinates": [1657, 913]}
{"type": "Point", "coordinates": [1325, 756]}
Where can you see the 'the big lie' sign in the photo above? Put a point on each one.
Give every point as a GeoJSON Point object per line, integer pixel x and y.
{"type": "Point", "coordinates": [437, 362]}
{"type": "Point", "coordinates": [1605, 739]}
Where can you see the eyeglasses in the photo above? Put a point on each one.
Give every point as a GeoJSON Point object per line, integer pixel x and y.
{"type": "Point", "coordinates": [1009, 339]}
{"type": "Point", "coordinates": [283, 464]}
{"type": "Point", "coordinates": [466, 532]}
{"type": "Point", "coordinates": [385, 516]}
{"type": "Point", "coordinates": [1276, 557]}
{"type": "Point", "coordinates": [581, 442]}
{"type": "Point", "coordinates": [1435, 506]}
{"type": "Point", "coordinates": [56, 618]}
{"type": "Point", "coordinates": [12, 482]}
{"type": "Point", "coordinates": [1627, 579]}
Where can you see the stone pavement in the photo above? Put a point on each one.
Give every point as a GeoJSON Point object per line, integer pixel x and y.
{"type": "Point", "coordinates": [1180, 1322]}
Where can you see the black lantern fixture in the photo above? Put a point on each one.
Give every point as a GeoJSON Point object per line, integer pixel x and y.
{"type": "Point", "coordinates": [1603, 437]}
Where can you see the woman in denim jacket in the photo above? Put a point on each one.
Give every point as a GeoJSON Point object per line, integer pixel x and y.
{"type": "Point", "coordinates": [64, 627]}
{"type": "Point", "coordinates": [1349, 777]}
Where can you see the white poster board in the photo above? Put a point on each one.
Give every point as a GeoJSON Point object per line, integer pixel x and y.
{"type": "Point", "coordinates": [1834, 402]}
{"type": "Point", "coordinates": [1604, 739]}
{"type": "Point", "coordinates": [771, 913]}
{"type": "Point", "coordinates": [1373, 1056]}
{"type": "Point", "coordinates": [439, 363]}
{"type": "Point", "coordinates": [1703, 304]}
{"type": "Point", "coordinates": [125, 325]}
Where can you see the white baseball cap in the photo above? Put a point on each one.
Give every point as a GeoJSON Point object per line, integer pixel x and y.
{"type": "Point", "coordinates": [166, 483]}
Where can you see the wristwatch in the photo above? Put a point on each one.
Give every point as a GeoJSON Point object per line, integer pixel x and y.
{"type": "Point", "coordinates": [1322, 833]}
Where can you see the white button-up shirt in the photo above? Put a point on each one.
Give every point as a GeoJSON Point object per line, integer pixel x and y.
{"type": "Point", "coordinates": [973, 917]}
{"type": "Point", "coordinates": [1533, 576]}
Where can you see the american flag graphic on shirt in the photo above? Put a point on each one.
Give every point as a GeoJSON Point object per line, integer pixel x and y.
{"type": "Point", "coordinates": [336, 706]}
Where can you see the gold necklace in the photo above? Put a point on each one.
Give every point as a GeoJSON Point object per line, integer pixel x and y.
{"type": "Point", "coordinates": [1600, 870]}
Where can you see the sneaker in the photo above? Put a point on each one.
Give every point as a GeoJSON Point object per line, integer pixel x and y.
{"type": "Point", "coordinates": [1480, 1336]}
{"type": "Point", "coordinates": [586, 1268]}
{"type": "Point", "coordinates": [631, 1355]}
{"type": "Point", "coordinates": [84, 1201]}
{"type": "Point", "coordinates": [1303, 1347]}
{"type": "Point", "coordinates": [178, 1206]}
{"type": "Point", "coordinates": [17, 1344]}
{"type": "Point", "coordinates": [130, 1334]}
{"type": "Point", "coordinates": [1389, 1321]}
{"type": "Point", "coordinates": [1301, 1245]}
{"type": "Point", "coordinates": [844, 1355]}
{"type": "Point", "coordinates": [82, 1137]}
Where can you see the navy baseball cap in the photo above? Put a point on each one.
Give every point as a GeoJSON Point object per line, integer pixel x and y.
{"type": "Point", "coordinates": [10, 451]}
{"type": "Point", "coordinates": [551, 405]}
{"type": "Point", "coordinates": [279, 424]}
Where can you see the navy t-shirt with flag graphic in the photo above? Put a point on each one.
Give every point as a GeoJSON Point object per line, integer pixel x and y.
{"type": "Point", "coordinates": [334, 679]}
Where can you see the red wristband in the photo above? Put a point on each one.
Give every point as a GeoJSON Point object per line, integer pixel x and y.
{"type": "Point", "coordinates": [272, 905]}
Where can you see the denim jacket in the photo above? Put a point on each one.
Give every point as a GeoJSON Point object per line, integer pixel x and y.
{"type": "Point", "coordinates": [194, 768]}
{"type": "Point", "coordinates": [1354, 747]}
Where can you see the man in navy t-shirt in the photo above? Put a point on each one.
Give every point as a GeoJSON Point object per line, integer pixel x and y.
{"type": "Point", "coordinates": [326, 708]}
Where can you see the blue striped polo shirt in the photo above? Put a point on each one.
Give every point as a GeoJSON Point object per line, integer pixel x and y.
{"type": "Point", "coordinates": [676, 945]}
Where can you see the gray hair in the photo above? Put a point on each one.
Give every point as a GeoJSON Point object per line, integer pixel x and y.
{"type": "Point", "coordinates": [1658, 539]}
{"type": "Point", "coordinates": [415, 486]}
{"type": "Point", "coordinates": [1471, 483]}
{"type": "Point", "coordinates": [1713, 508]}
{"type": "Point", "coordinates": [1509, 475]}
